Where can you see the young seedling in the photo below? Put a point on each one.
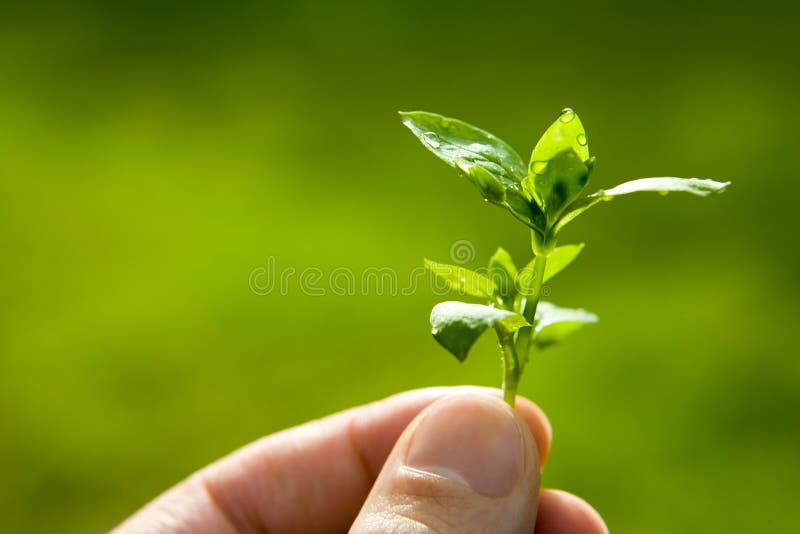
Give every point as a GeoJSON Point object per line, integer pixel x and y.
{"type": "Point", "coordinates": [545, 196]}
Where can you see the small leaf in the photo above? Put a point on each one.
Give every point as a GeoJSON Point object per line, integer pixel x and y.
{"type": "Point", "coordinates": [566, 133]}
{"type": "Point", "coordinates": [502, 271]}
{"type": "Point", "coordinates": [557, 261]}
{"type": "Point", "coordinates": [560, 258]}
{"type": "Point", "coordinates": [524, 210]}
{"type": "Point", "coordinates": [694, 186]}
{"type": "Point", "coordinates": [457, 325]}
{"type": "Point", "coordinates": [487, 161]}
{"type": "Point", "coordinates": [664, 185]}
{"type": "Point", "coordinates": [503, 260]}
{"type": "Point", "coordinates": [575, 209]}
{"type": "Point", "coordinates": [462, 280]}
{"type": "Point", "coordinates": [560, 164]}
{"type": "Point", "coordinates": [552, 324]}
{"type": "Point", "coordinates": [487, 183]}
{"type": "Point", "coordinates": [453, 140]}
{"type": "Point", "coordinates": [508, 327]}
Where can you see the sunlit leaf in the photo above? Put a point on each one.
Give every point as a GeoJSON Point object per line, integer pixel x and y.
{"type": "Point", "coordinates": [575, 209]}
{"type": "Point", "coordinates": [663, 185]}
{"type": "Point", "coordinates": [552, 323]}
{"type": "Point", "coordinates": [558, 260]}
{"type": "Point", "coordinates": [454, 140]}
{"type": "Point", "coordinates": [462, 280]}
{"type": "Point", "coordinates": [566, 133]}
{"type": "Point", "coordinates": [502, 271]}
{"type": "Point", "coordinates": [508, 326]}
{"type": "Point", "coordinates": [695, 186]}
{"type": "Point", "coordinates": [457, 325]}
{"type": "Point", "coordinates": [487, 161]}
{"type": "Point", "coordinates": [560, 164]}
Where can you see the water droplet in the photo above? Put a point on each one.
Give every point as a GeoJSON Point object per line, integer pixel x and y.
{"type": "Point", "coordinates": [567, 115]}
{"type": "Point", "coordinates": [432, 138]}
{"type": "Point", "coordinates": [464, 165]}
{"type": "Point", "coordinates": [539, 167]}
{"type": "Point", "coordinates": [582, 139]}
{"type": "Point", "coordinates": [567, 110]}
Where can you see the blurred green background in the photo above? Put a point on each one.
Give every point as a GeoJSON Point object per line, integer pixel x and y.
{"type": "Point", "coordinates": [152, 155]}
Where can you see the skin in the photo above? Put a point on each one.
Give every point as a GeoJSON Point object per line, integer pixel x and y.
{"type": "Point", "coordinates": [347, 471]}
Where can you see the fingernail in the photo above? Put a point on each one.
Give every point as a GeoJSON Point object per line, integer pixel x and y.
{"type": "Point", "coordinates": [472, 440]}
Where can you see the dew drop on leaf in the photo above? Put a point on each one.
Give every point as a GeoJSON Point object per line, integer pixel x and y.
{"type": "Point", "coordinates": [432, 138]}
{"type": "Point", "coordinates": [582, 139]}
{"type": "Point", "coordinates": [567, 115]}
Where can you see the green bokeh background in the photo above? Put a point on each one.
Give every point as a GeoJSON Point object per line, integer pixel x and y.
{"type": "Point", "coordinates": [153, 155]}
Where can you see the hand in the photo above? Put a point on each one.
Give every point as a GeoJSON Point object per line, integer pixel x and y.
{"type": "Point", "coordinates": [446, 460]}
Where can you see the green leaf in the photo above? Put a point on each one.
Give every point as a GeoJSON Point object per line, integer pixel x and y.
{"type": "Point", "coordinates": [487, 161]}
{"type": "Point", "coordinates": [575, 209]}
{"type": "Point", "coordinates": [524, 210]}
{"type": "Point", "coordinates": [695, 186]}
{"type": "Point", "coordinates": [664, 185]}
{"type": "Point", "coordinates": [508, 326]}
{"type": "Point", "coordinates": [552, 324]}
{"type": "Point", "coordinates": [457, 325]}
{"type": "Point", "coordinates": [557, 261]}
{"type": "Point", "coordinates": [503, 272]}
{"type": "Point", "coordinates": [453, 141]}
{"type": "Point", "coordinates": [492, 189]}
{"type": "Point", "coordinates": [560, 258]}
{"type": "Point", "coordinates": [564, 134]}
{"type": "Point", "coordinates": [560, 164]}
{"type": "Point", "coordinates": [462, 280]}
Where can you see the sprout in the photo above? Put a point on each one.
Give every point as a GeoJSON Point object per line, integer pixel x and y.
{"type": "Point", "coordinates": [544, 195]}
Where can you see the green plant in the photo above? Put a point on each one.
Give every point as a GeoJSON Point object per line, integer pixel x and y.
{"type": "Point", "coordinates": [545, 195]}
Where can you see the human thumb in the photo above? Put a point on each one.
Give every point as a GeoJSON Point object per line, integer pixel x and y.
{"type": "Point", "coordinates": [466, 464]}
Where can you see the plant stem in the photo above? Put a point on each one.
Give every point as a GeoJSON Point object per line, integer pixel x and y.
{"type": "Point", "coordinates": [532, 301]}
{"type": "Point", "coordinates": [511, 371]}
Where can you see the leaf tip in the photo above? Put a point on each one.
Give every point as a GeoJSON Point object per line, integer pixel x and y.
{"type": "Point", "coordinates": [705, 187]}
